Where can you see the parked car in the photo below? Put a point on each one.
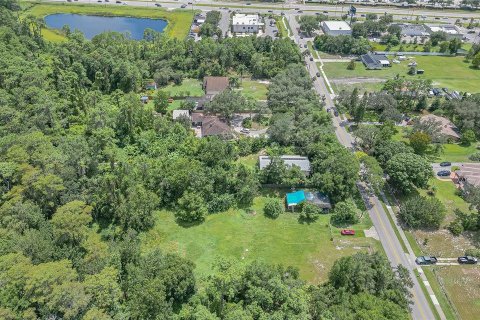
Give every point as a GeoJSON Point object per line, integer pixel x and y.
{"type": "Point", "coordinates": [445, 164]}
{"type": "Point", "coordinates": [318, 74]}
{"type": "Point", "coordinates": [311, 58]}
{"type": "Point", "coordinates": [248, 3]}
{"type": "Point", "coordinates": [183, 6]}
{"type": "Point", "coordinates": [335, 112]}
{"type": "Point", "coordinates": [270, 11]}
{"type": "Point", "coordinates": [347, 232]}
{"type": "Point", "coordinates": [282, 13]}
{"type": "Point", "coordinates": [245, 130]}
{"type": "Point", "coordinates": [426, 260]}
{"type": "Point", "coordinates": [158, 5]}
{"type": "Point", "coordinates": [299, 11]}
{"type": "Point", "coordinates": [467, 260]}
{"type": "Point", "coordinates": [443, 173]}
{"type": "Point", "coordinates": [118, 1]}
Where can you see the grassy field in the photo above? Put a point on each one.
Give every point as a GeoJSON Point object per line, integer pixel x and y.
{"type": "Point", "coordinates": [450, 72]}
{"type": "Point", "coordinates": [178, 20]}
{"type": "Point", "coordinates": [254, 89]}
{"type": "Point", "coordinates": [189, 87]}
{"type": "Point", "coordinates": [462, 285]}
{"type": "Point", "coordinates": [246, 237]}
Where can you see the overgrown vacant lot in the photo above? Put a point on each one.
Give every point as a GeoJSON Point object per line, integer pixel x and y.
{"type": "Point", "coordinates": [450, 72]}
{"type": "Point", "coordinates": [178, 20]}
{"type": "Point", "coordinates": [462, 285]}
{"type": "Point", "coordinates": [244, 236]}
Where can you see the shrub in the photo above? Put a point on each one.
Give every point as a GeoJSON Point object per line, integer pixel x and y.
{"type": "Point", "coordinates": [309, 212]}
{"type": "Point", "coordinates": [422, 212]}
{"type": "Point", "coordinates": [273, 208]}
{"type": "Point", "coordinates": [345, 212]}
{"type": "Point", "coordinates": [475, 156]}
{"type": "Point", "coordinates": [475, 252]}
{"type": "Point", "coordinates": [456, 227]}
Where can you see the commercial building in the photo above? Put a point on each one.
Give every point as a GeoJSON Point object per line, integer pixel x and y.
{"type": "Point", "coordinates": [246, 23]}
{"type": "Point", "coordinates": [413, 30]}
{"type": "Point", "coordinates": [336, 28]}
{"type": "Point", "coordinates": [451, 30]}
{"type": "Point", "coordinates": [374, 61]}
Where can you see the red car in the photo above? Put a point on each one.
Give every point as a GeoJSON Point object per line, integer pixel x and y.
{"type": "Point", "coordinates": [348, 232]}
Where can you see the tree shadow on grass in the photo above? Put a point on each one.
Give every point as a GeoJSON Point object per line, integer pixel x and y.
{"type": "Point", "coordinates": [189, 224]}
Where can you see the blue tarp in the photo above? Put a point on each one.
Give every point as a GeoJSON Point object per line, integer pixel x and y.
{"type": "Point", "coordinates": [295, 198]}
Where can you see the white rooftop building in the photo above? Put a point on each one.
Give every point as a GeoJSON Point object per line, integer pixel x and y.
{"type": "Point", "coordinates": [335, 28]}
{"type": "Point", "coordinates": [451, 30]}
{"type": "Point", "coordinates": [246, 23]}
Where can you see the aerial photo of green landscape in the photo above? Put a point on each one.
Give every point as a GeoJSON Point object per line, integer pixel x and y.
{"type": "Point", "coordinates": [234, 160]}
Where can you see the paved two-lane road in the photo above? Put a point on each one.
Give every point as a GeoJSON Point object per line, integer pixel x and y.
{"type": "Point", "coordinates": [391, 244]}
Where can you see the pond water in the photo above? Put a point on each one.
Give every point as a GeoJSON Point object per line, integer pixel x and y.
{"type": "Point", "coordinates": [93, 25]}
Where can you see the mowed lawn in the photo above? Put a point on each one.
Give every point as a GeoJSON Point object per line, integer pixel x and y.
{"type": "Point", "coordinates": [254, 89]}
{"type": "Point", "coordinates": [188, 87]}
{"type": "Point", "coordinates": [450, 72]}
{"type": "Point", "coordinates": [178, 20]}
{"type": "Point", "coordinates": [249, 237]}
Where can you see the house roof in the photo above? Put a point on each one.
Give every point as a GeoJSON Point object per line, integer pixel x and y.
{"type": "Point", "coordinates": [289, 160]}
{"type": "Point", "coordinates": [470, 172]}
{"type": "Point", "coordinates": [180, 113]}
{"type": "Point", "coordinates": [213, 126]}
{"type": "Point", "coordinates": [295, 198]}
{"type": "Point", "coordinates": [197, 117]}
{"type": "Point", "coordinates": [215, 84]}
{"type": "Point", "coordinates": [448, 128]}
{"type": "Point", "coordinates": [374, 61]}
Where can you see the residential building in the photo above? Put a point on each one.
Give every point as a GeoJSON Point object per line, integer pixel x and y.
{"type": "Point", "coordinates": [374, 61]}
{"type": "Point", "coordinates": [335, 28]}
{"type": "Point", "coordinates": [451, 30]}
{"type": "Point", "coordinates": [215, 85]}
{"type": "Point", "coordinates": [289, 160]}
{"type": "Point", "coordinates": [246, 23]}
{"type": "Point", "coordinates": [151, 86]}
{"type": "Point", "coordinates": [449, 130]}
{"type": "Point", "coordinates": [294, 199]}
{"type": "Point", "coordinates": [468, 174]}
{"type": "Point", "coordinates": [214, 126]}
{"type": "Point", "coordinates": [180, 113]}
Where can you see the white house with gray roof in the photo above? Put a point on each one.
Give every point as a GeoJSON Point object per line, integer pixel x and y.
{"type": "Point", "coordinates": [289, 160]}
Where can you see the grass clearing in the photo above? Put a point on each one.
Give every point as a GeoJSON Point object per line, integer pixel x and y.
{"type": "Point", "coordinates": [254, 89]}
{"type": "Point", "coordinates": [248, 237]}
{"type": "Point", "coordinates": [178, 20]}
{"type": "Point", "coordinates": [460, 75]}
{"type": "Point", "coordinates": [188, 87]}
{"type": "Point", "coordinates": [461, 283]}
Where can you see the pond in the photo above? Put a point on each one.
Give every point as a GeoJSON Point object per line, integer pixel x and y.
{"type": "Point", "coordinates": [93, 25]}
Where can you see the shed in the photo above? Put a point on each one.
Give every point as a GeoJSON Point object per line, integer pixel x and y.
{"type": "Point", "coordinates": [180, 113]}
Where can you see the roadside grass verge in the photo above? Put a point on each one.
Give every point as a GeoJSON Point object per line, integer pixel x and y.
{"type": "Point", "coordinates": [178, 20]}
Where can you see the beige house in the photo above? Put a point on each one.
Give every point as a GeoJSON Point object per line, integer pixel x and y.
{"type": "Point", "coordinates": [448, 128]}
